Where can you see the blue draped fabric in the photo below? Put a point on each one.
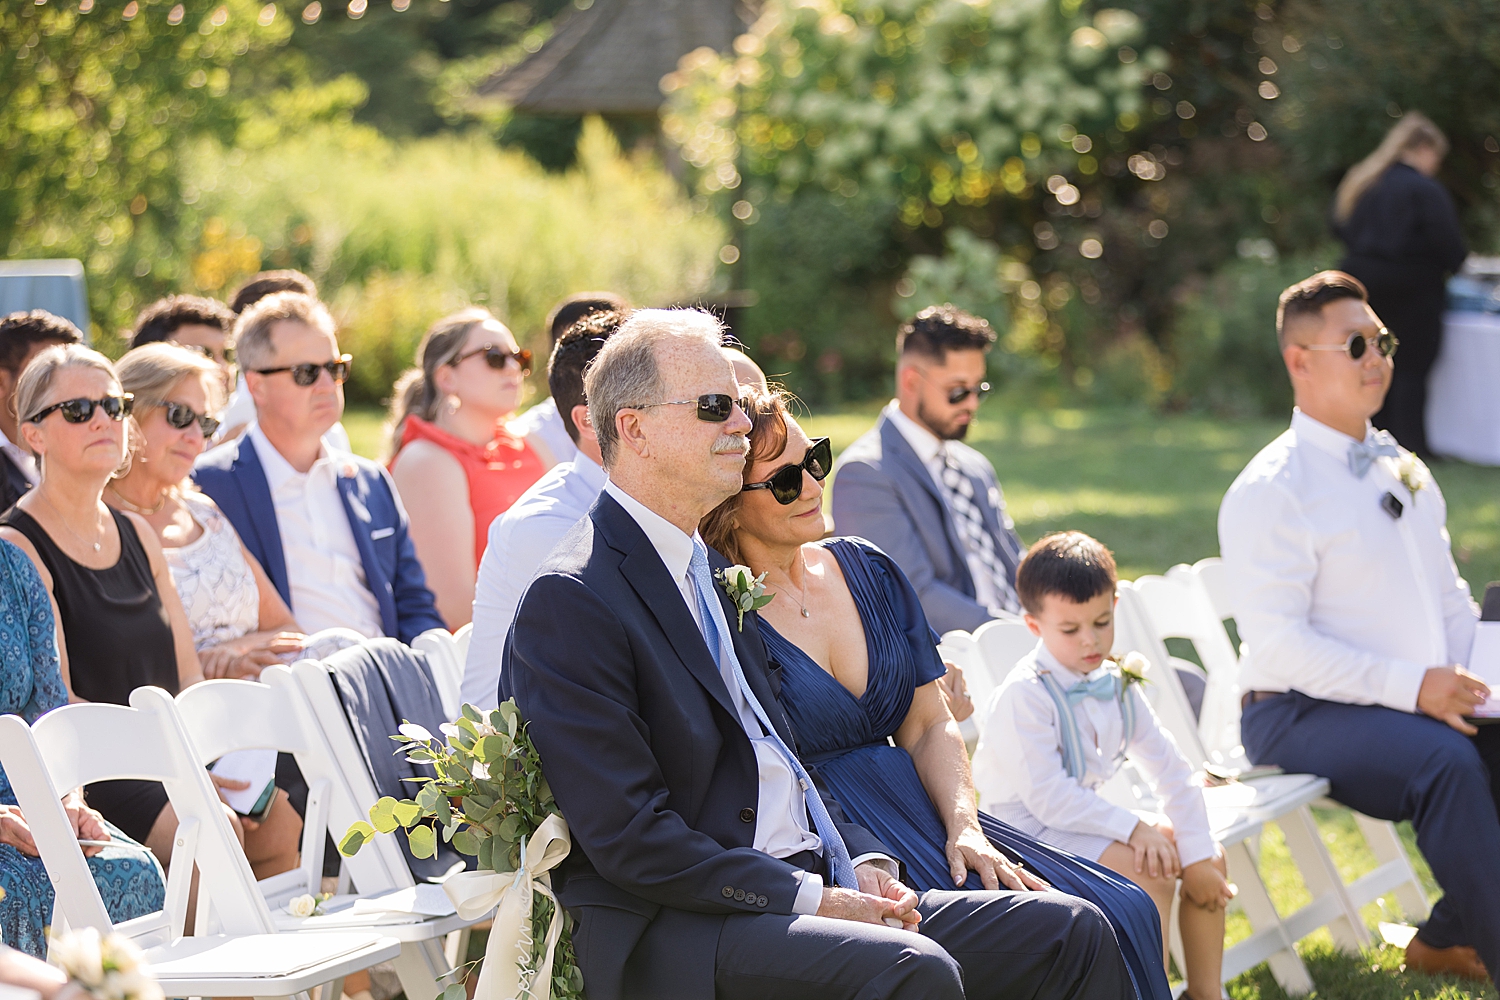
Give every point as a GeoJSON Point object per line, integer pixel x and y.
{"type": "Point", "coordinates": [129, 879]}
{"type": "Point", "coordinates": [878, 785]}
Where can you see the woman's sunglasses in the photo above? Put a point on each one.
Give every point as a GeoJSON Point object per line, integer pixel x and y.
{"type": "Point", "coordinates": [1384, 342]}
{"type": "Point", "coordinates": [81, 411]}
{"type": "Point", "coordinates": [715, 407]}
{"type": "Point", "coordinates": [497, 357]}
{"type": "Point", "coordinates": [182, 416]}
{"type": "Point", "coordinates": [306, 374]}
{"type": "Point", "coordinates": [785, 483]}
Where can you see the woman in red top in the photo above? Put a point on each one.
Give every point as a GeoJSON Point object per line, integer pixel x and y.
{"type": "Point", "coordinates": [456, 464]}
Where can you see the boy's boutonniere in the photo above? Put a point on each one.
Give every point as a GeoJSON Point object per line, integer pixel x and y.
{"type": "Point", "coordinates": [1413, 474]}
{"type": "Point", "coordinates": [1132, 670]}
{"type": "Point", "coordinates": [746, 591]}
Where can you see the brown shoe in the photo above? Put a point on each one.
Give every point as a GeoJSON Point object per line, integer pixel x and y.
{"type": "Point", "coordinates": [1458, 961]}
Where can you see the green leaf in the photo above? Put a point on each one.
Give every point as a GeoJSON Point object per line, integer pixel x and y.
{"type": "Point", "coordinates": [423, 841]}
{"type": "Point", "coordinates": [471, 713]}
{"type": "Point", "coordinates": [510, 828]}
{"type": "Point", "coordinates": [382, 814]}
{"type": "Point", "coordinates": [762, 601]}
{"type": "Point", "coordinates": [457, 990]}
{"type": "Point", "coordinates": [355, 838]}
{"type": "Point", "coordinates": [486, 854]}
{"type": "Point", "coordinates": [427, 798]}
{"type": "Point", "coordinates": [493, 748]}
{"type": "Point", "coordinates": [466, 842]}
{"type": "Point", "coordinates": [443, 810]}
{"type": "Point", "coordinates": [407, 812]}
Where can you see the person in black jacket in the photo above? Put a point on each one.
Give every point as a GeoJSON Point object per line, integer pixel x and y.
{"type": "Point", "coordinates": [1403, 240]}
{"type": "Point", "coordinates": [23, 335]}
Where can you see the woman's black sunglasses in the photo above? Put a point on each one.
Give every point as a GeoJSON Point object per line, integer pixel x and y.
{"type": "Point", "coordinates": [306, 374]}
{"type": "Point", "coordinates": [785, 483]}
{"type": "Point", "coordinates": [1384, 342]}
{"type": "Point", "coordinates": [497, 357]}
{"type": "Point", "coordinates": [182, 416]}
{"type": "Point", "coordinates": [715, 407]}
{"type": "Point", "coordinates": [81, 411]}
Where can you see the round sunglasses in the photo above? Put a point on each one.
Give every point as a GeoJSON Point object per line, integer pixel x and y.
{"type": "Point", "coordinates": [307, 373]}
{"type": "Point", "coordinates": [182, 416]}
{"type": "Point", "coordinates": [1384, 342]}
{"type": "Point", "coordinates": [81, 410]}
{"type": "Point", "coordinates": [715, 407]}
{"type": "Point", "coordinates": [497, 357]}
{"type": "Point", "coordinates": [785, 483]}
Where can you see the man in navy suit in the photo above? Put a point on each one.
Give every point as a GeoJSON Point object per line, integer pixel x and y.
{"type": "Point", "coordinates": [911, 485]}
{"type": "Point", "coordinates": [705, 861]}
{"type": "Point", "coordinates": [326, 525]}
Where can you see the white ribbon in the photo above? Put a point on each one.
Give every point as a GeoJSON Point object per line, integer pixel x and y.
{"type": "Point", "coordinates": [507, 958]}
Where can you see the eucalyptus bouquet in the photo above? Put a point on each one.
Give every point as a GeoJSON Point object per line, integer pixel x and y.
{"type": "Point", "coordinates": [490, 800]}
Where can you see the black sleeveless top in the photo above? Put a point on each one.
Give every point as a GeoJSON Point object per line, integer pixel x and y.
{"type": "Point", "coordinates": [113, 622]}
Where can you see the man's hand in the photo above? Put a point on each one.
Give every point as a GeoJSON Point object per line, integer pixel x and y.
{"type": "Point", "coordinates": [1154, 851]}
{"type": "Point", "coordinates": [879, 897]}
{"type": "Point", "coordinates": [1449, 694]}
{"type": "Point", "coordinates": [956, 692]}
{"type": "Point", "coordinates": [971, 849]}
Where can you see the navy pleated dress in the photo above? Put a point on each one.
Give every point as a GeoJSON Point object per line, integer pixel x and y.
{"type": "Point", "coordinates": [877, 783]}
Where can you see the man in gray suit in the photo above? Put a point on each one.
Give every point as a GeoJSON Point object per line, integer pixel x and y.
{"type": "Point", "coordinates": [912, 487]}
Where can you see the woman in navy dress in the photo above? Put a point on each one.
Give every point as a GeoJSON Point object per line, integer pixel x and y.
{"type": "Point", "coordinates": [858, 670]}
{"type": "Point", "coordinates": [129, 879]}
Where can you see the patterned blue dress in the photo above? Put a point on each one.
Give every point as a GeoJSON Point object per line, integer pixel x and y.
{"type": "Point", "coordinates": [878, 785]}
{"type": "Point", "coordinates": [129, 879]}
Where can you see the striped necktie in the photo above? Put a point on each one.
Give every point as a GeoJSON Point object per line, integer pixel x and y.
{"type": "Point", "coordinates": [959, 489]}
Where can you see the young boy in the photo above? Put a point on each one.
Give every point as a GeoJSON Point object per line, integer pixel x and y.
{"type": "Point", "coordinates": [1059, 728]}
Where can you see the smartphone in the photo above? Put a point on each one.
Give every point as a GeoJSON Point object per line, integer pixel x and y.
{"type": "Point", "coordinates": [262, 807]}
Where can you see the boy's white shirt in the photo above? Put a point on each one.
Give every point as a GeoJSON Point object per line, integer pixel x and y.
{"type": "Point", "coordinates": [1019, 760]}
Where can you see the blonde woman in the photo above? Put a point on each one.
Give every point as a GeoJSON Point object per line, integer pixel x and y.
{"type": "Point", "coordinates": [1403, 240]}
{"type": "Point", "coordinates": [456, 463]}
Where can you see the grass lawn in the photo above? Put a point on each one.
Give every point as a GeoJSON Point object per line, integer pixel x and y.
{"type": "Point", "coordinates": [1149, 487]}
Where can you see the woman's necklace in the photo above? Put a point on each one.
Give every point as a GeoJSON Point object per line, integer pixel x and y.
{"type": "Point", "coordinates": [802, 598]}
{"type": "Point", "coordinates": [147, 511]}
{"type": "Point", "coordinates": [97, 527]}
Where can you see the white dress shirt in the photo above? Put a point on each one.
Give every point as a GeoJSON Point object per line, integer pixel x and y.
{"type": "Point", "coordinates": [781, 825]}
{"type": "Point", "coordinates": [519, 541]}
{"type": "Point", "coordinates": [1332, 595]}
{"type": "Point", "coordinates": [545, 422]}
{"type": "Point", "coordinates": [323, 567]}
{"type": "Point", "coordinates": [25, 460]}
{"type": "Point", "coordinates": [1019, 760]}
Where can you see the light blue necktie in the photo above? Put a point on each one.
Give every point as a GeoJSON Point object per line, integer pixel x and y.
{"type": "Point", "coordinates": [1362, 454]}
{"type": "Point", "coordinates": [716, 629]}
{"type": "Point", "coordinates": [1105, 687]}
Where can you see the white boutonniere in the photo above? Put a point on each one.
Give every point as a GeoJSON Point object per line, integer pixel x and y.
{"type": "Point", "coordinates": [1132, 670]}
{"type": "Point", "coordinates": [747, 592]}
{"type": "Point", "coordinates": [1413, 474]}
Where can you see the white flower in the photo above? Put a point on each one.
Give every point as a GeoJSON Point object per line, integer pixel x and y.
{"type": "Point", "coordinates": [412, 731]}
{"type": "Point", "coordinates": [80, 954]}
{"type": "Point", "coordinates": [1413, 474]}
{"type": "Point", "coordinates": [302, 906]}
{"type": "Point", "coordinates": [480, 770]}
{"type": "Point", "coordinates": [449, 730]}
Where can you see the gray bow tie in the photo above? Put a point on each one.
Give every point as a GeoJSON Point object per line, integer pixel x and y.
{"type": "Point", "coordinates": [1362, 454]}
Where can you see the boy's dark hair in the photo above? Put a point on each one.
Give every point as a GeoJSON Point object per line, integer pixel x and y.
{"type": "Point", "coordinates": [1069, 564]}
{"type": "Point", "coordinates": [575, 307]}
{"type": "Point", "coordinates": [20, 331]}
{"type": "Point", "coordinates": [936, 330]}
{"type": "Point", "coordinates": [1308, 297]}
{"type": "Point", "coordinates": [269, 283]}
{"type": "Point", "coordinates": [159, 320]}
{"type": "Point", "coordinates": [571, 357]}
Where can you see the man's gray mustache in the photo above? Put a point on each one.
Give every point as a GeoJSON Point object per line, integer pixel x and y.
{"type": "Point", "coordinates": [727, 443]}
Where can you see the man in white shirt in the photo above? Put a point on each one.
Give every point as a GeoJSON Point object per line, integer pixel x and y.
{"type": "Point", "coordinates": [522, 537]}
{"type": "Point", "coordinates": [1356, 622]}
{"type": "Point", "coordinates": [705, 860]}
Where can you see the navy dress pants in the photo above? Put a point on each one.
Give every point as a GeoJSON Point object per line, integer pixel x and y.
{"type": "Point", "coordinates": [1397, 765]}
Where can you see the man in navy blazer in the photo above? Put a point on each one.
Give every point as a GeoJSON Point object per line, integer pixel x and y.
{"type": "Point", "coordinates": [911, 485]}
{"type": "Point", "coordinates": [326, 526]}
{"type": "Point", "coordinates": [706, 865]}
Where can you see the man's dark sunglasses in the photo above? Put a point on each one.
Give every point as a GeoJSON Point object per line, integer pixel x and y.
{"type": "Point", "coordinates": [715, 407]}
{"type": "Point", "coordinates": [307, 373]}
{"type": "Point", "coordinates": [182, 416]}
{"type": "Point", "coordinates": [497, 357]}
{"type": "Point", "coordinates": [81, 411]}
{"type": "Point", "coordinates": [1385, 343]}
{"type": "Point", "coordinates": [959, 393]}
{"type": "Point", "coordinates": [785, 483]}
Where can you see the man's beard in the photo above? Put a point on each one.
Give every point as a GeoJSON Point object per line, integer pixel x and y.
{"type": "Point", "coordinates": [953, 432]}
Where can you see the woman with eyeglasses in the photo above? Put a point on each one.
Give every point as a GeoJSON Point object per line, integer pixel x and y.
{"type": "Point", "coordinates": [858, 666]}
{"type": "Point", "coordinates": [456, 463]}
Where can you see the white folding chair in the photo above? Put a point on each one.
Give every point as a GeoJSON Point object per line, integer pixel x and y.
{"type": "Point", "coordinates": [447, 666]}
{"type": "Point", "coordinates": [1393, 872]}
{"type": "Point", "coordinates": [461, 642]}
{"type": "Point", "coordinates": [235, 949]}
{"type": "Point", "coordinates": [222, 716]}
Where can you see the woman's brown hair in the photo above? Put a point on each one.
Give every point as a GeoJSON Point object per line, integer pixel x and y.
{"type": "Point", "coordinates": [767, 412]}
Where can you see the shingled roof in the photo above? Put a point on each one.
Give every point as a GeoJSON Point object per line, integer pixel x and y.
{"type": "Point", "coordinates": [610, 58]}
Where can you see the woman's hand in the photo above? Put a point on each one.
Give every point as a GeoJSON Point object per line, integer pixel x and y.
{"type": "Point", "coordinates": [87, 823]}
{"type": "Point", "coordinates": [15, 832]}
{"type": "Point", "coordinates": [1204, 884]}
{"type": "Point", "coordinates": [956, 692]}
{"type": "Point", "coordinates": [1155, 853]}
{"type": "Point", "coordinates": [972, 850]}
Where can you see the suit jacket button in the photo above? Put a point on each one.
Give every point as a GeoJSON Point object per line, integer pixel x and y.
{"type": "Point", "coordinates": [747, 815]}
{"type": "Point", "coordinates": [728, 891]}
{"type": "Point", "coordinates": [739, 895]}
{"type": "Point", "coordinates": [761, 901]}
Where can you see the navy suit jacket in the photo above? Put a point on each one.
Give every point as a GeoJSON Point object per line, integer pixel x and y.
{"type": "Point", "coordinates": [643, 749]}
{"type": "Point", "coordinates": [883, 492]}
{"type": "Point", "coordinates": [232, 475]}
